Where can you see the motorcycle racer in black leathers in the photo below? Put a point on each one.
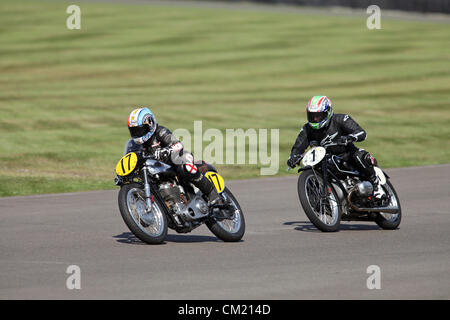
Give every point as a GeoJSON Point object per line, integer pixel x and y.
{"type": "Point", "coordinates": [325, 128]}
{"type": "Point", "coordinates": [147, 135]}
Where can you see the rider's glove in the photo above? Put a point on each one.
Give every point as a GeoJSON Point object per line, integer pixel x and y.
{"type": "Point", "coordinates": [162, 154]}
{"type": "Point", "coordinates": [118, 181]}
{"type": "Point", "coordinates": [294, 159]}
{"type": "Point", "coordinates": [347, 139]}
{"type": "Point", "coordinates": [313, 143]}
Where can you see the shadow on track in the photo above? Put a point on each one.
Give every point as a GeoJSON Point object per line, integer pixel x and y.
{"type": "Point", "coordinates": [129, 238]}
{"type": "Point", "coordinates": [307, 226]}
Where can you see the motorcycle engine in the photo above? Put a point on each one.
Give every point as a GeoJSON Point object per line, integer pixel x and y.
{"type": "Point", "coordinates": [364, 188]}
{"type": "Point", "coordinates": [172, 195]}
{"type": "Point", "coordinates": [176, 201]}
{"type": "Point", "coordinates": [349, 183]}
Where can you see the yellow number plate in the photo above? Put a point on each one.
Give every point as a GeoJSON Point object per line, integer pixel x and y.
{"type": "Point", "coordinates": [127, 164]}
{"type": "Point", "coordinates": [216, 180]}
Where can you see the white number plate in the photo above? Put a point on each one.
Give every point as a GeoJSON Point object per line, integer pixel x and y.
{"type": "Point", "coordinates": [314, 156]}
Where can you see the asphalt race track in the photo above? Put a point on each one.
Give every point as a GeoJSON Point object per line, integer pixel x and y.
{"type": "Point", "coordinates": [282, 255]}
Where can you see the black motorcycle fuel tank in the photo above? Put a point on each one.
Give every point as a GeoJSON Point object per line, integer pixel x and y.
{"type": "Point", "coordinates": [340, 167]}
{"type": "Point", "coordinates": [162, 169]}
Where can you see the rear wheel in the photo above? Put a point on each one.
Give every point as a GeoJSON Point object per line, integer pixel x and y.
{"type": "Point", "coordinates": [232, 229]}
{"type": "Point", "coordinates": [390, 221]}
{"type": "Point", "coordinates": [149, 227]}
{"type": "Point", "coordinates": [322, 210]}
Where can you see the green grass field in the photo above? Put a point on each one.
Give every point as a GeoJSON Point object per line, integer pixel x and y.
{"type": "Point", "coordinates": [65, 95]}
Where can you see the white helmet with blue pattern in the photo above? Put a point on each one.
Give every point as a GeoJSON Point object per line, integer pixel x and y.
{"type": "Point", "coordinates": [142, 125]}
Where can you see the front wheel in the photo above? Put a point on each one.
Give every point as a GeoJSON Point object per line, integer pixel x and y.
{"type": "Point", "coordinates": [322, 210]}
{"type": "Point", "coordinates": [229, 230]}
{"type": "Point", "coordinates": [149, 227]}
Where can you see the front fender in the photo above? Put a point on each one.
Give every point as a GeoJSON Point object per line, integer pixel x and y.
{"type": "Point", "coordinates": [304, 168]}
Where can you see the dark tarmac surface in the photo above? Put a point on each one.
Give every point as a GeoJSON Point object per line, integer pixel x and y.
{"type": "Point", "coordinates": [282, 255]}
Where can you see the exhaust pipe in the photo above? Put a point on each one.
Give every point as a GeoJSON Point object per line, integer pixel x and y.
{"type": "Point", "coordinates": [379, 209]}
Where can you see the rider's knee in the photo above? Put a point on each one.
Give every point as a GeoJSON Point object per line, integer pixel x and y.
{"type": "Point", "coordinates": [364, 158]}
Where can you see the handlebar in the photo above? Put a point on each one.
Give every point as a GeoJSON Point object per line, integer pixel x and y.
{"type": "Point", "coordinates": [315, 144]}
{"type": "Point", "coordinates": [145, 156]}
{"type": "Point", "coordinates": [334, 144]}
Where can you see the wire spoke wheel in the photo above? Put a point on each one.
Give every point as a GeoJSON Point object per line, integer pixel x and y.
{"type": "Point", "coordinates": [231, 225]}
{"type": "Point", "coordinates": [393, 202]}
{"type": "Point", "coordinates": [233, 228]}
{"type": "Point", "coordinates": [152, 222]}
{"type": "Point", "coordinates": [321, 207]}
{"type": "Point", "coordinates": [324, 206]}
{"type": "Point", "coordinates": [390, 221]}
{"type": "Point", "coordinates": [150, 226]}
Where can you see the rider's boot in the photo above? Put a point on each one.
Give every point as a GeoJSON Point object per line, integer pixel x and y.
{"type": "Point", "coordinates": [378, 191]}
{"type": "Point", "coordinates": [208, 189]}
{"type": "Point", "coordinates": [215, 198]}
{"type": "Point", "coordinates": [224, 209]}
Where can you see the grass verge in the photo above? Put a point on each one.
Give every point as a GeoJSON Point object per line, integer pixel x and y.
{"type": "Point", "coordinates": [66, 94]}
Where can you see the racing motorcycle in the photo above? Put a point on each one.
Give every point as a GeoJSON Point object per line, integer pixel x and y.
{"type": "Point", "coordinates": [331, 190]}
{"type": "Point", "coordinates": [152, 198]}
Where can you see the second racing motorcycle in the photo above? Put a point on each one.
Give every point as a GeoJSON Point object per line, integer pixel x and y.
{"type": "Point", "coordinates": [330, 190]}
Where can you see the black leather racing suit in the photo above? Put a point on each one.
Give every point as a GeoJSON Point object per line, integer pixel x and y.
{"type": "Point", "coordinates": [340, 125]}
{"type": "Point", "coordinates": [181, 160]}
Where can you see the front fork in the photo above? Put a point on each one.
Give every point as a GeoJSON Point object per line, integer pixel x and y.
{"type": "Point", "coordinates": [323, 192]}
{"type": "Point", "coordinates": [148, 194]}
{"type": "Point", "coordinates": [325, 177]}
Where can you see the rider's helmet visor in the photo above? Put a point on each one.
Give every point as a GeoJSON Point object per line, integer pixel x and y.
{"type": "Point", "coordinates": [139, 131]}
{"type": "Point", "coordinates": [316, 117]}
